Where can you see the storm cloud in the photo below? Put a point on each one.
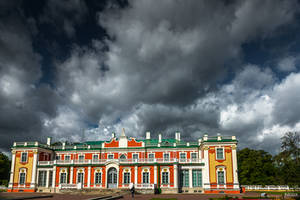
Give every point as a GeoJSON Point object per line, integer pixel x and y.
{"type": "Point", "coordinates": [168, 66]}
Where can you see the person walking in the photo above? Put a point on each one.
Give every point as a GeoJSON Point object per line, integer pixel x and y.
{"type": "Point", "coordinates": [131, 187]}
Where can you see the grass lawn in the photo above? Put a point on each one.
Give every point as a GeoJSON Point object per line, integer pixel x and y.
{"type": "Point", "coordinates": [163, 199]}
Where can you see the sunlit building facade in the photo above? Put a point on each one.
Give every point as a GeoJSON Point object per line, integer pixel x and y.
{"type": "Point", "coordinates": [208, 165]}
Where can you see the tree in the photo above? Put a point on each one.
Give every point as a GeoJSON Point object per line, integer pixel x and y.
{"type": "Point", "coordinates": [256, 167]}
{"type": "Point", "coordinates": [4, 169]}
{"type": "Point", "coordinates": [288, 160]}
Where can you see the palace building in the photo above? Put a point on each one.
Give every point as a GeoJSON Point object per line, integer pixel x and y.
{"type": "Point", "coordinates": [208, 165]}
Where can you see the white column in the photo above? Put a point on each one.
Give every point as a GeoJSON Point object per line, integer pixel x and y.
{"type": "Point", "coordinates": [89, 177]}
{"type": "Point", "coordinates": [190, 178]}
{"type": "Point", "coordinates": [12, 170]}
{"type": "Point", "coordinates": [155, 174]}
{"type": "Point", "coordinates": [135, 175]}
{"type": "Point", "coordinates": [53, 176]}
{"type": "Point", "coordinates": [34, 164]}
{"type": "Point", "coordinates": [234, 167]}
{"type": "Point", "coordinates": [47, 179]}
{"type": "Point", "coordinates": [71, 175]}
{"type": "Point", "coordinates": [175, 176]}
{"type": "Point", "coordinates": [206, 182]}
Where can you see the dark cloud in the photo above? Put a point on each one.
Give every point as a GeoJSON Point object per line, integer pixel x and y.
{"type": "Point", "coordinates": [164, 67]}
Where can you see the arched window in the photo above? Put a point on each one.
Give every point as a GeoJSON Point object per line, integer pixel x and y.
{"type": "Point", "coordinates": [80, 176]}
{"type": "Point", "coordinates": [22, 176]}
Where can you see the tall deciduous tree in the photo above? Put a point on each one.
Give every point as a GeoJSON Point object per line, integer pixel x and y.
{"type": "Point", "coordinates": [256, 167]}
{"type": "Point", "coordinates": [4, 169]}
{"type": "Point", "coordinates": [288, 160]}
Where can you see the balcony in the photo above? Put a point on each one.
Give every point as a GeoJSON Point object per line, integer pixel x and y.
{"type": "Point", "coordinates": [120, 161]}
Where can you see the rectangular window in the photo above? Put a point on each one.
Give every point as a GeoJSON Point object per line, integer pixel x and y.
{"type": "Point", "coordinates": [67, 157]}
{"type": "Point", "coordinates": [151, 157]}
{"type": "Point", "coordinates": [220, 154]}
{"type": "Point", "coordinates": [80, 178]}
{"type": "Point", "coordinates": [111, 156]}
{"type": "Point", "coordinates": [184, 178]}
{"type": "Point", "coordinates": [95, 157]}
{"type": "Point", "coordinates": [50, 178]}
{"type": "Point", "coordinates": [166, 157]}
{"type": "Point", "coordinates": [221, 177]}
{"type": "Point", "coordinates": [135, 156]}
{"type": "Point", "coordinates": [182, 157]}
{"type": "Point", "coordinates": [97, 178]}
{"type": "Point", "coordinates": [42, 178]}
{"type": "Point", "coordinates": [165, 178]}
{"type": "Point", "coordinates": [57, 157]}
{"type": "Point", "coordinates": [194, 156]}
{"type": "Point", "coordinates": [22, 178]}
{"type": "Point", "coordinates": [145, 177]}
{"type": "Point", "coordinates": [81, 157]}
{"type": "Point", "coordinates": [126, 178]}
{"type": "Point", "coordinates": [197, 178]}
{"type": "Point", "coordinates": [24, 157]}
{"type": "Point", "coordinates": [63, 177]}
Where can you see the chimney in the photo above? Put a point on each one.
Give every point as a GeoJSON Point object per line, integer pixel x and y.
{"type": "Point", "coordinates": [113, 135]}
{"type": "Point", "coordinates": [159, 138]}
{"type": "Point", "coordinates": [177, 136]}
{"type": "Point", "coordinates": [148, 135]}
{"type": "Point", "coordinates": [49, 141]}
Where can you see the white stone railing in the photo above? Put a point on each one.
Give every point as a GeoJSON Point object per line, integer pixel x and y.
{"type": "Point", "coordinates": [122, 161]}
{"type": "Point", "coordinates": [269, 187]}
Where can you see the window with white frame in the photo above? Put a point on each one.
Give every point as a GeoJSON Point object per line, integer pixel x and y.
{"type": "Point", "coordinates": [151, 157]}
{"type": "Point", "coordinates": [123, 157]}
{"type": "Point", "coordinates": [57, 157]}
{"type": "Point", "coordinates": [95, 157]}
{"type": "Point", "coordinates": [80, 177]}
{"type": "Point", "coordinates": [146, 176]}
{"type": "Point", "coordinates": [50, 178]}
{"type": "Point", "coordinates": [220, 153]}
{"type": "Point", "coordinates": [182, 157]}
{"type": "Point", "coordinates": [135, 156]}
{"type": "Point", "coordinates": [81, 157]}
{"type": "Point", "coordinates": [63, 177]}
{"type": "Point", "coordinates": [166, 157]}
{"type": "Point", "coordinates": [165, 177]}
{"type": "Point", "coordinates": [42, 178]}
{"type": "Point", "coordinates": [194, 156]}
{"type": "Point", "coordinates": [24, 156]}
{"type": "Point", "coordinates": [110, 156]}
{"type": "Point", "coordinates": [126, 177]}
{"type": "Point", "coordinates": [98, 176]}
{"type": "Point", "coordinates": [22, 177]}
{"type": "Point", "coordinates": [67, 157]}
{"type": "Point", "coordinates": [184, 178]}
{"type": "Point", "coordinates": [221, 177]}
{"type": "Point", "coordinates": [197, 177]}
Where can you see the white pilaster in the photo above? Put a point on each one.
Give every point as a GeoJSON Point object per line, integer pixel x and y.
{"type": "Point", "coordinates": [206, 182]}
{"type": "Point", "coordinates": [12, 170]}
{"type": "Point", "coordinates": [135, 175]}
{"type": "Point", "coordinates": [190, 178]}
{"type": "Point", "coordinates": [47, 179]}
{"type": "Point", "coordinates": [235, 174]}
{"type": "Point", "coordinates": [175, 176]}
{"type": "Point", "coordinates": [155, 174]}
{"type": "Point", "coordinates": [53, 176]}
{"type": "Point", "coordinates": [34, 164]}
{"type": "Point", "coordinates": [89, 177]}
{"type": "Point", "coordinates": [71, 175]}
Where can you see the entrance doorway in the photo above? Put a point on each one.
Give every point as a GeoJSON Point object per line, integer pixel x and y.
{"type": "Point", "coordinates": [112, 179]}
